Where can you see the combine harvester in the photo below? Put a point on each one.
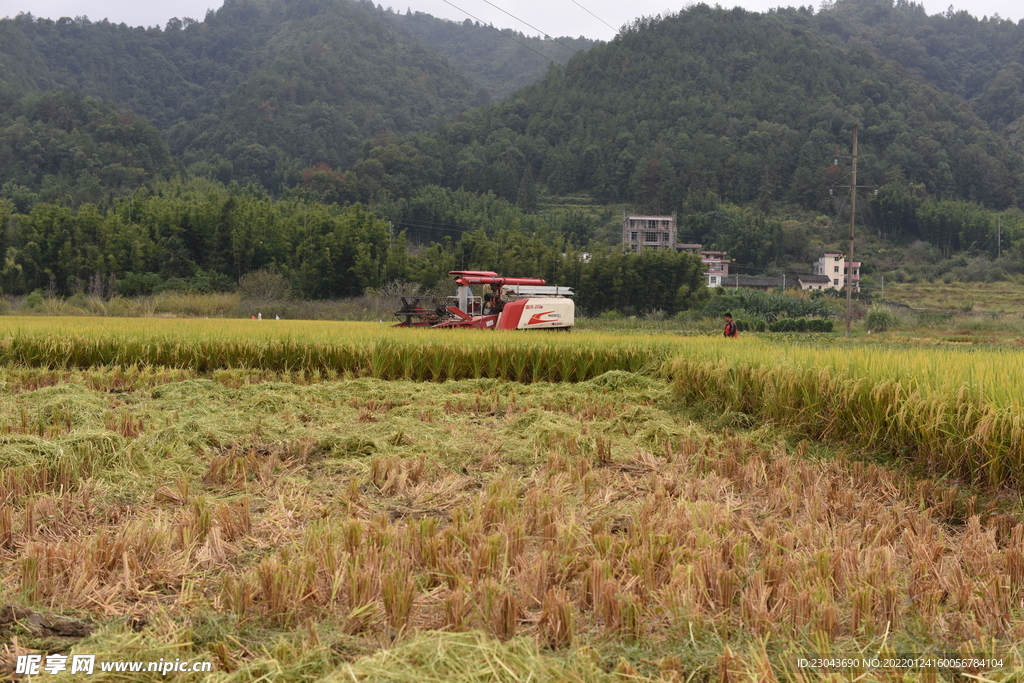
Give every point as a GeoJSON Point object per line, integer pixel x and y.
{"type": "Point", "coordinates": [515, 303]}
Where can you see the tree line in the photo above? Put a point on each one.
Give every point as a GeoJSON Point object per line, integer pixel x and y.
{"type": "Point", "coordinates": [203, 236]}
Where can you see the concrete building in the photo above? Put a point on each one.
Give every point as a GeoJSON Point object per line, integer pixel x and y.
{"type": "Point", "coordinates": [762, 282]}
{"type": "Point", "coordinates": [648, 232]}
{"type": "Point", "coordinates": [716, 267]}
{"type": "Point", "coordinates": [814, 282]}
{"type": "Point", "coordinates": [836, 268]}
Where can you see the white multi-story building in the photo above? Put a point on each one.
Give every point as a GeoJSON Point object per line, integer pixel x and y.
{"type": "Point", "coordinates": [716, 267]}
{"type": "Point", "coordinates": [836, 268]}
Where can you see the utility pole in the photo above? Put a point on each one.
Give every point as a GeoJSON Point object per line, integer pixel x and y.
{"type": "Point", "coordinates": [883, 286]}
{"type": "Point", "coordinates": [783, 283]}
{"type": "Point", "coordinates": [849, 255]}
{"type": "Point", "coordinates": [999, 239]}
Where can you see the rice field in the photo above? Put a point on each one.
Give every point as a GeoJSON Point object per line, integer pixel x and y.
{"type": "Point", "coordinates": [349, 502]}
{"type": "Point", "coordinates": [477, 530]}
{"type": "Point", "coordinates": [975, 296]}
{"type": "Point", "coordinates": [956, 411]}
{"type": "Point", "coordinates": [338, 349]}
{"type": "Point", "coordinates": [323, 349]}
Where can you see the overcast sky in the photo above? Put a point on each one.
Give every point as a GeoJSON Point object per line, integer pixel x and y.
{"type": "Point", "coordinates": [554, 17]}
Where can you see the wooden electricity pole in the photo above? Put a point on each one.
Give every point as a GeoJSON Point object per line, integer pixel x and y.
{"type": "Point", "coordinates": [849, 254]}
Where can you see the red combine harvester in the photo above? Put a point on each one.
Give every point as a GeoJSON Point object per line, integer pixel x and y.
{"type": "Point", "coordinates": [514, 303]}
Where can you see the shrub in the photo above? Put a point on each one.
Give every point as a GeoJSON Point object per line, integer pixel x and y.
{"type": "Point", "coordinates": [79, 300]}
{"type": "Point", "coordinates": [34, 300]}
{"type": "Point", "coordinates": [801, 325]}
{"type": "Point", "coordinates": [203, 282]}
{"type": "Point", "coordinates": [881, 319]}
{"type": "Point", "coordinates": [766, 306]}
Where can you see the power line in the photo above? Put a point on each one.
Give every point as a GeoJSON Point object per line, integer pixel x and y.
{"type": "Point", "coordinates": [505, 34]}
{"type": "Point", "coordinates": [575, 51]}
{"type": "Point", "coordinates": [595, 16]}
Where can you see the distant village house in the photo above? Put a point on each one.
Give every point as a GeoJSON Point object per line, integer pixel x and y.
{"type": "Point", "coordinates": [648, 232]}
{"type": "Point", "coordinates": [641, 232]}
{"type": "Point", "coordinates": [814, 282]}
{"type": "Point", "coordinates": [716, 267]}
{"type": "Point", "coordinates": [763, 283]}
{"type": "Point", "coordinates": [836, 268]}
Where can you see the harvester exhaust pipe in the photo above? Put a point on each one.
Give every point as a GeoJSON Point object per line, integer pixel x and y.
{"type": "Point", "coordinates": [463, 293]}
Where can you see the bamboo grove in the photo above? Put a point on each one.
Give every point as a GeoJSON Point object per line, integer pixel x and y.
{"type": "Point", "coordinates": [201, 236]}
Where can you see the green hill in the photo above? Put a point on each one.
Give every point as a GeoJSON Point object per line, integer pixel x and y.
{"type": "Point", "coordinates": [739, 122]}
{"type": "Point", "coordinates": [57, 146]}
{"type": "Point", "coordinates": [256, 90]}
{"type": "Point", "coordinates": [979, 60]}
{"type": "Point", "coordinates": [500, 64]}
{"type": "Point", "coordinates": [752, 107]}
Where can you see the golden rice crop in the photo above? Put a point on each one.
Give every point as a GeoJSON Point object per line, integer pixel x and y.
{"type": "Point", "coordinates": [956, 410]}
{"type": "Point", "coordinates": [205, 344]}
{"type": "Point", "coordinates": [355, 349]}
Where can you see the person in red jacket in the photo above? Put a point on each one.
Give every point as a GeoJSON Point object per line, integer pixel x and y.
{"type": "Point", "coordinates": [730, 327]}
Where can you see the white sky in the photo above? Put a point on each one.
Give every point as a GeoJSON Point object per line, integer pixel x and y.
{"type": "Point", "coordinates": [554, 17]}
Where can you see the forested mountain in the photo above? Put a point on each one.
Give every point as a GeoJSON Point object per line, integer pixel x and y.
{"type": "Point", "coordinates": [751, 107]}
{"type": "Point", "coordinates": [57, 146]}
{"type": "Point", "coordinates": [979, 60]}
{"type": "Point", "coordinates": [256, 91]}
{"type": "Point", "coordinates": [499, 64]}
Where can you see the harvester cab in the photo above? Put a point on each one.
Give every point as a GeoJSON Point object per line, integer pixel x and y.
{"type": "Point", "coordinates": [512, 303]}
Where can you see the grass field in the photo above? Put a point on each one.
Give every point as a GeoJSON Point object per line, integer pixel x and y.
{"type": "Point", "coordinates": [983, 297]}
{"type": "Point", "coordinates": [679, 510]}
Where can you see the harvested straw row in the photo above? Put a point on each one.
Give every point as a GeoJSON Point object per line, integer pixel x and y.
{"type": "Point", "coordinates": [726, 552]}
{"type": "Point", "coordinates": [796, 549]}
